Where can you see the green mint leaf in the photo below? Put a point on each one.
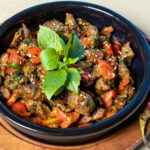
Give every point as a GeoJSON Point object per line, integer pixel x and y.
{"type": "Point", "coordinates": [62, 43]}
{"type": "Point", "coordinates": [76, 49]}
{"type": "Point", "coordinates": [72, 60]}
{"type": "Point", "coordinates": [49, 38]}
{"type": "Point", "coordinates": [62, 65]}
{"type": "Point", "coordinates": [49, 58]}
{"type": "Point", "coordinates": [53, 81]}
{"type": "Point", "coordinates": [73, 79]}
{"type": "Point", "coordinates": [67, 47]}
{"type": "Point", "coordinates": [80, 70]}
{"type": "Point", "coordinates": [14, 65]}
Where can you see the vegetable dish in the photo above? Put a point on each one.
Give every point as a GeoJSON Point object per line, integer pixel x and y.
{"type": "Point", "coordinates": [66, 75]}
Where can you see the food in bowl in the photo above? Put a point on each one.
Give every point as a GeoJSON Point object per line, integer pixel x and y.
{"type": "Point", "coordinates": [66, 75]}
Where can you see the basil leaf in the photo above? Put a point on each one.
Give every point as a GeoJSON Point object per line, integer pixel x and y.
{"type": "Point", "coordinates": [53, 81]}
{"type": "Point", "coordinates": [73, 79]}
{"type": "Point", "coordinates": [49, 58]}
{"type": "Point", "coordinates": [72, 60]}
{"type": "Point", "coordinates": [62, 65]}
{"type": "Point", "coordinates": [80, 70]}
{"type": "Point", "coordinates": [67, 47]}
{"type": "Point", "coordinates": [49, 38]}
{"type": "Point", "coordinates": [62, 43]}
{"type": "Point", "coordinates": [76, 49]}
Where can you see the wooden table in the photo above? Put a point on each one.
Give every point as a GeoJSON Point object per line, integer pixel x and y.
{"type": "Point", "coordinates": [125, 137]}
{"type": "Point", "coordinates": [134, 10]}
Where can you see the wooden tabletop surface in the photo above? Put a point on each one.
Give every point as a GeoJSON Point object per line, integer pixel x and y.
{"type": "Point", "coordinates": [136, 11]}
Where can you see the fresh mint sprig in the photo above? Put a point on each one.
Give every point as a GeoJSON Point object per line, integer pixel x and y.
{"type": "Point", "coordinates": [49, 58]}
{"type": "Point", "coordinates": [48, 38]}
{"type": "Point", "coordinates": [56, 57]}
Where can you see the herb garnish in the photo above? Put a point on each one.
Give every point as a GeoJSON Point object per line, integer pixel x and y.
{"type": "Point", "coordinates": [14, 65]}
{"type": "Point", "coordinates": [56, 57]}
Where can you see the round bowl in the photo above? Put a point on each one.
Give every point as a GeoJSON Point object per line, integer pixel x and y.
{"type": "Point", "coordinates": [99, 16]}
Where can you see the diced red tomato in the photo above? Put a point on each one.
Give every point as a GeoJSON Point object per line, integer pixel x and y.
{"type": "Point", "coordinates": [108, 48]}
{"type": "Point", "coordinates": [70, 119]}
{"type": "Point", "coordinates": [35, 60]}
{"type": "Point", "coordinates": [33, 53]}
{"type": "Point", "coordinates": [105, 69]}
{"type": "Point", "coordinates": [66, 119]}
{"type": "Point", "coordinates": [15, 57]}
{"type": "Point", "coordinates": [39, 121]}
{"type": "Point", "coordinates": [108, 98]}
{"type": "Point", "coordinates": [12, 51]}
{"type": "Point", "coordinates": [19, 108]}
{"type": "Point", "coordinates": [11, 70]}
{"type": "Point", "coordinates": [74, 116]}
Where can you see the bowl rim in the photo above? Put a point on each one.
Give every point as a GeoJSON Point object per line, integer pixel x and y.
{"type": "Point", "coordinates": [137, 100]}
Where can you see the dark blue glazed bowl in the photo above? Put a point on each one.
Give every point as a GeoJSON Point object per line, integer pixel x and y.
{"type": "Point", "coordinates": [99, 16]}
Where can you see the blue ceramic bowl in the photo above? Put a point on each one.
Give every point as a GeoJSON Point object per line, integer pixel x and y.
{"type": "Point", "coordinates": [99, 16]}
